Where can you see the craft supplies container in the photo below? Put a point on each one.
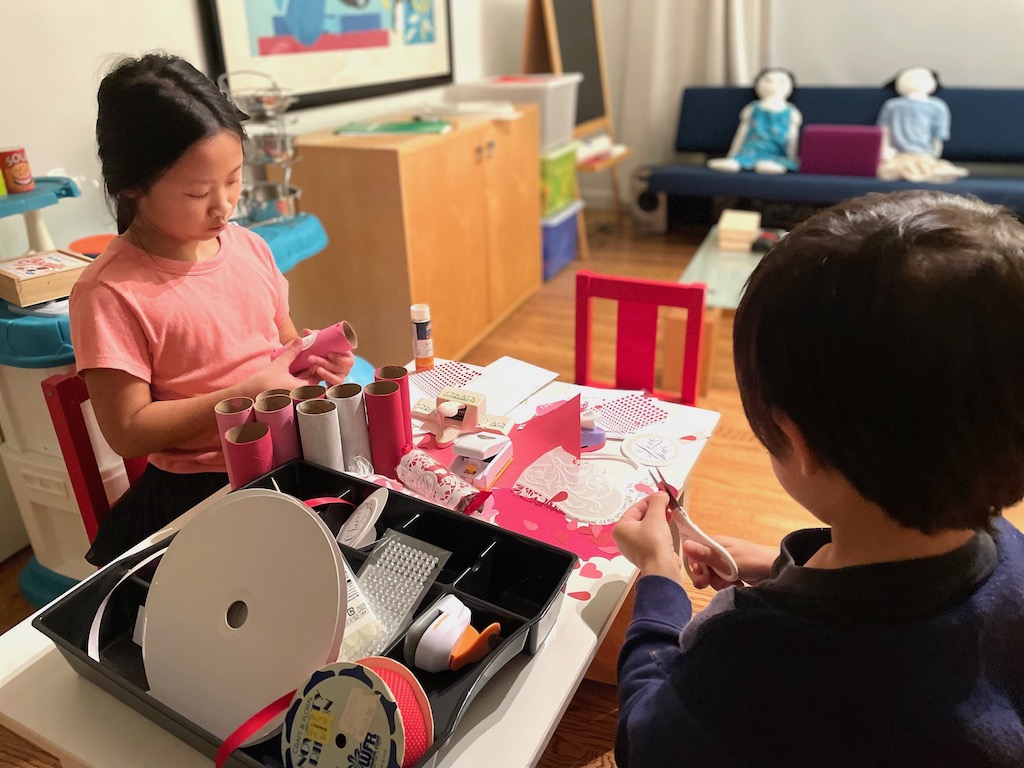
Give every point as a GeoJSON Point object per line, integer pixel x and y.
{"type": "Point", "coordinates": [501, 576]}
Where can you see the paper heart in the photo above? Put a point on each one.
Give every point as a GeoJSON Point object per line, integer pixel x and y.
{"type": "Point", "coordinates": [530, 525]}
{"type": "Point", "coordinates": [580, 595]}
{"type": "Point", "coordinates": [591, 571]}
{"type": "Point", "coordinates": [560, 496]}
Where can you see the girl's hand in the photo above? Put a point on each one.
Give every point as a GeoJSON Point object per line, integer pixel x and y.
{"type": "Point", "coordinates": [332, 369]}
{"type": "Point", "coordinates": [644, 538]}
{"type": "Point", "coordinates": [754, 560]}
{"type": "Point", "coordinates": [275, 375]}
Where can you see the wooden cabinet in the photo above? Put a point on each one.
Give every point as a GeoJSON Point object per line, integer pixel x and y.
{"type": "Point", "coordinates": [450, 220]}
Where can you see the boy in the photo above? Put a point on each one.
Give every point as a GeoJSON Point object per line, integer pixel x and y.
{"type": "Point", "coordinates": [879, 351]}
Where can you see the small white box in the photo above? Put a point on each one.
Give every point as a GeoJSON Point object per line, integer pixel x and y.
{"type": "Point", "coordinates": [50, 511]}
{"type": "Point", "coordinates": [555, 95]}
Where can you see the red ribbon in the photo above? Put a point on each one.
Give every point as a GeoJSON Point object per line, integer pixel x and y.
{"type": "Point", "coordinates": [249, 727]}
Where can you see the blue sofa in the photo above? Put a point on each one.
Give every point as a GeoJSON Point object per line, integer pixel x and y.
{"type": "Point", "coordinates": [987, 129]}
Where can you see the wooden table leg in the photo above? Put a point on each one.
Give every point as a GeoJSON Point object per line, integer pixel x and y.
{"type": "Point", "coordinates": [673, 334]}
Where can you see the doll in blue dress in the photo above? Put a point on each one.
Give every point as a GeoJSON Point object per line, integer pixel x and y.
{"type": "Point", "coordinates": [766, 139]}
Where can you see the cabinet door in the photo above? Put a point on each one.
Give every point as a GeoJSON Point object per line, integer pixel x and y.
{"type": "Point", "coordinates": [446, 234]}
{"type": "Point", "coordinates": [513, 211]}
{"type": "Point", "coordinates": [361, 276]}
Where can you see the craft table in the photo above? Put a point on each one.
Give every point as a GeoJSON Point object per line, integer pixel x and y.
{"type": "Point", "coordinates": [45, 702]}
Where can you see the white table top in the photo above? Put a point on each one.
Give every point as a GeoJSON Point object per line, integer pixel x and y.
{"type": "Point", "coordinates": [45, 702]}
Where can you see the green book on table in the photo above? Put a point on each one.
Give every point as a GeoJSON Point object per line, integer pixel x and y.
{"type": "Point", "coordinates": [396, 126]}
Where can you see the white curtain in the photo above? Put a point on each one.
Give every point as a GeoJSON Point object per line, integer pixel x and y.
{"type": "Point", "coordinates": [668, 45]}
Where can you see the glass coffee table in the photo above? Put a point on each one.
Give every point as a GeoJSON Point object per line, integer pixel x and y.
{"type": "Point", "coordinates": [725, 273]}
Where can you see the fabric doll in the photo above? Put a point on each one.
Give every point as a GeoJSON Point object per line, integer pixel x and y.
{"type": "Point", "coordinates": [915, 124]}
{"type": "Point", "coordinates": [765, 141]}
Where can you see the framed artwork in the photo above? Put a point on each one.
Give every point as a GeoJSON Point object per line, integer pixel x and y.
{"type": "Point", "coordinates": [326, 51]}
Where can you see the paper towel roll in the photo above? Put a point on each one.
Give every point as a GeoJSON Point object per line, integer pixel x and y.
{"type": "Point", "coordinates": [278, 413]}
{"type": "Point", "coordinates": [320, 433]}
{"type": "Point", "coordinates": [384, 421]}
{"type": "Point", "coordinates": [308, 392]}
{"type": "Point", "coordinates": [355, 437]}
{"type": "Point", "coordinates": [249, 451]}
{"type": "Point", "coordinates": [230, 413]}
{"type": "Point", "coordinates": [400, 375]}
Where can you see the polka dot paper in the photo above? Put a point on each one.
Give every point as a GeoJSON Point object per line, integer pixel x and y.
{"type": "Point", "coordinates": [630, 413]}
{"type": "Point", "coordinates": [452, 374]}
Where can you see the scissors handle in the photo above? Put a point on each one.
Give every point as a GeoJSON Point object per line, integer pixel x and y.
{"type": "Point", "coordinates": [687, 529]}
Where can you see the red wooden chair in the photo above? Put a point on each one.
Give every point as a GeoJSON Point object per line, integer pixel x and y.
{"type": "Point", "coordinates": [637, 327]}
{"type": "Point", "coordinates": [65, 393]}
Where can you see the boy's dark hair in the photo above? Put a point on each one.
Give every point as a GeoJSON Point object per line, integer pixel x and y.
{"type": "Point", "coordinates": [151, 110]}
{"type": "Point", "coordinates": [890, 330]}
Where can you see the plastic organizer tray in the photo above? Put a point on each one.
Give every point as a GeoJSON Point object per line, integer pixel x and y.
{"type": "Point", "coordinates": [501, 576]}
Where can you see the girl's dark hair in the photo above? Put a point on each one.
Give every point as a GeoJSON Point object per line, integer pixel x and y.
{"type": "Point", "coordinates": [891, 85]}
{"type": "Point", "coordinates": [890, 330]}
{"type": "Point", "coordinates": [151, 110]}
{"type": "Point", "coordinates": [766, 70]}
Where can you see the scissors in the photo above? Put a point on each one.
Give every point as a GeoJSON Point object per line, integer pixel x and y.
{"type": "Point", "coordinates": [684, 528]}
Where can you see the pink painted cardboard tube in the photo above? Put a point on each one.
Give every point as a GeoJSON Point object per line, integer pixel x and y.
{"type": "Point", "coordinates": [400, 376]}
{"type": "Point", "coordinates": [231, 413]}
{"type": "Point", "coordinates": [384, 419]}
{"type": "Point", "coordinates": [278, 413]}
{"type": "Point", "coordinates": [250, 453]}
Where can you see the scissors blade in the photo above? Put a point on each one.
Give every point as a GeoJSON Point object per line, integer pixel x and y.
{"type": "Point", "coordinates": [663, 484]}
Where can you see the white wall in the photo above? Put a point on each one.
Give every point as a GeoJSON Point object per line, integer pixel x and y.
{"type": "Point", "coordinates": [976, 43]}
{"type": "Point", "coordinates": [56, 61]}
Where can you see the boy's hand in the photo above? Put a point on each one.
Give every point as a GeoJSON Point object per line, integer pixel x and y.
{"type": "Point", "coordinates": [754, 560]}
{"type": "Point", "coordinates": [331, 369]}
{"type": "Point", "coordinates": [644, 538]}
{"type": "Point", "coordinates": [276, 374]}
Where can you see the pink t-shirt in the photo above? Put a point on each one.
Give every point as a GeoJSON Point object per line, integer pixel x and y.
{"type": "Point", "coordinates": [185, 328]}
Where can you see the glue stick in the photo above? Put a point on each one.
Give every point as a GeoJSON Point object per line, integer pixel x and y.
{"type": "Point", "coordinates": [422, 343]}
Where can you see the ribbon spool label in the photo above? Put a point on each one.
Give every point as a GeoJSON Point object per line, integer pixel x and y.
{"type": "Point", "coordinates": [343, 717]}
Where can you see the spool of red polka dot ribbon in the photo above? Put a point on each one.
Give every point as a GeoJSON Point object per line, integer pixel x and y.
{"type": "Point", "coordinates": [371, 713]}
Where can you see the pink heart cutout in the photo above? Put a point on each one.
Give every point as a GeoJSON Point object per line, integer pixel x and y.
{"type": "Point", "coordinates": [591, 571]}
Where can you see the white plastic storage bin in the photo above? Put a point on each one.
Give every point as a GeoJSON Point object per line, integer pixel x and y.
{"type": "Point", "coordinates": [24, 418]}
{"type": "Point", "coordinates": [43, 490]}
{"type": "Point", "coordinates": [555, 94]}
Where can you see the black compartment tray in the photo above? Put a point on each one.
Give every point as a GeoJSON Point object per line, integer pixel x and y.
{"type": "Point", "coordinates": [501, 576]}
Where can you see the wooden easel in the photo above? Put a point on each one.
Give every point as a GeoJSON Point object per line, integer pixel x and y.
{"type": "Point", "coordinates": [543, 52]}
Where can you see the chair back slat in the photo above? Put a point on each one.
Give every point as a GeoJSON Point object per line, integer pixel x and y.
{"type": "Point", "coordinates": [65, 393]}
{"type": "Point", "coordinates": [636, 330]}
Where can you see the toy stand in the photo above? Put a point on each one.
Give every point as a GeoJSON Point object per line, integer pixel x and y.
{"type": "Point", "coordinates": [49, 191]}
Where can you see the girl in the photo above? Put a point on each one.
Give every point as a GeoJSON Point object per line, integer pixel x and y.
{"type": "Point", "coordinates": [181, 310]}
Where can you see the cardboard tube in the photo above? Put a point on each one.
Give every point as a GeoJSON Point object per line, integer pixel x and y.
{"type": "Point", "coordinates": [271, 393]}
{"type": "Point", "coordinates": [250, 453]}
{"type": "Point", "coordinates": [278, 413]}
{"type": "Point", "coordinates": [355, 437]}
{"type": "Point", "coordinates": [399, 375]}
{"type": "Point", "coordinates": [320, 433]}
{"type": "Point", "coordinates": [384, 421]}
{"type": "Point", "coordinates": [231, 413]}
{"type": "Point", "coordinates": [308, 392]}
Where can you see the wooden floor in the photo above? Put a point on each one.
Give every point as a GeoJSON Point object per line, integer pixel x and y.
{"type": "Point", "coordinates": [732, 490]}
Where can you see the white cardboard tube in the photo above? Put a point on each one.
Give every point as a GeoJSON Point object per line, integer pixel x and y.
{"type": "Point", "coordinates": [355, 438]}
{"type": "Point", "coordinates": [320, 434]}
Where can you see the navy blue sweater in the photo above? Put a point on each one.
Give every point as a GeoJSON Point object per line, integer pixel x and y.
{"type": "Point", "coordinates": [915, 663]}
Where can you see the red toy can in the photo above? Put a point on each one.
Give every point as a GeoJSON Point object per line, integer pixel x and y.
{"type": "Point", "coordinates": [17, 174]}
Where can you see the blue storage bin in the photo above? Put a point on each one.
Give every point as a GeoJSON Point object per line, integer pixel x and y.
{"type": "Point", "coordinates": [560, 238]}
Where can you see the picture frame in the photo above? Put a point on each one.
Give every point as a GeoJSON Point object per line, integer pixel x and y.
{"type": "Point", "coordinates": [329, 51]}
